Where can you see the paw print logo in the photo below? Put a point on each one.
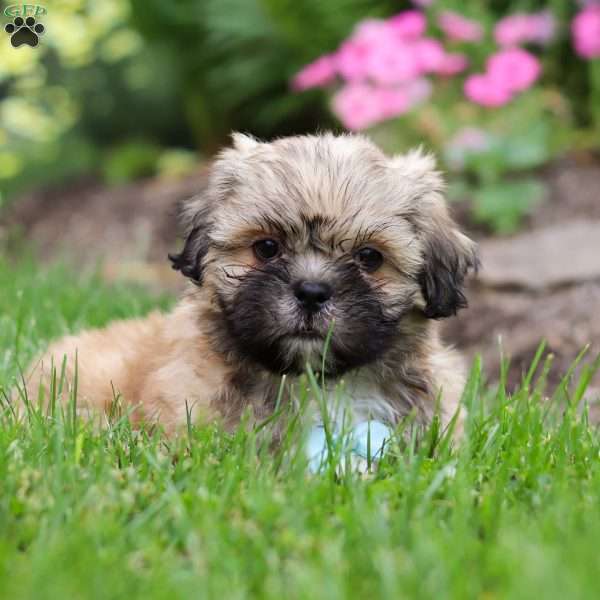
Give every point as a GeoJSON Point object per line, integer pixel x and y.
{"type": "Point", "coordinates": [24, 31]}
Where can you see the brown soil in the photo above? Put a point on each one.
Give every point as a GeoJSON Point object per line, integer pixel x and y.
{"type": "Point", "coordinates": [128, 229]}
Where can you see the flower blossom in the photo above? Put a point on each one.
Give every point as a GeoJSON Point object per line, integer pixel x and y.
{"type": "Point", "coordinates": [352, 56]}
{"type": "Point", "coordinates": [522, 28]}
{"type": "Point", "coordinates": [355, 106]}
{"type": "Point", "coordinates": [453, 64]}
{"type": "Point", "coordinates": [514, 69]}
{"type": "Point", "coordinates": [429, 55]}
{"type": "Point", "coordinates": [585, 29]}
{"type": "Point", "coordinates": [392, 62]}
{"type": "Point", "coordinates": [459, 28]}
{"type": "Point", "coordinates": [361, 105]}
{"type": "Point", "coordinates": [508, 72]}
{"type": "Point", "coordinates": [482, 89]}
{"type": "Point", "coordinates": [409, 24]}
{"type": "Point", "coordinates": [316, 74]}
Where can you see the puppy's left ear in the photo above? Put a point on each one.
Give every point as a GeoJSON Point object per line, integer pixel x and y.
{"type": "Point", "coordinates": [447, 258]}
{"type": "Point", "coordinates": [447, 254]}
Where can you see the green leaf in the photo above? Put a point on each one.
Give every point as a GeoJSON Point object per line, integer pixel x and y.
{"type": "Point", "coordinates": [528, 151]}
{"type": "Point", "coordinates": [502, 206]}
{"type": "Point", "coordinates": [129, 161]}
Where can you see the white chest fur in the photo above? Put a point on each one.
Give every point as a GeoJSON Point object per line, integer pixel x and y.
{"type": "Point", "coordinates": [352, 400]}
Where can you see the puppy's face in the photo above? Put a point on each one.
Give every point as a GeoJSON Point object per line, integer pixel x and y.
{"type": "Point", "coordinates": [307, 236]}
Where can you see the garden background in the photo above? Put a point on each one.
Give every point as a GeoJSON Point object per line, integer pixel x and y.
{"type": "Point", "coordinates": [114, 117]}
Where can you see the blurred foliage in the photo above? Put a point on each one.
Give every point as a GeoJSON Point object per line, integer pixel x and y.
{"type": "Point", "coordinates": [235, 58]}
{"type": "Point", "coordinates": [561, 113]}
{"type": "Point", "coordinates": [131, 160]}
{"type": "Point", "coordinates": [92, 85]}
{"type": "Point", "coordinates": [113, 83]}
{"type": "Point", "coordinates": [498, 174]}
{"type": "Point", "coordinates": [129, 88]}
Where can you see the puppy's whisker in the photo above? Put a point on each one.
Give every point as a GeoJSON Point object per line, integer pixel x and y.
{"type": "Point", "coordinates": [256, 269]}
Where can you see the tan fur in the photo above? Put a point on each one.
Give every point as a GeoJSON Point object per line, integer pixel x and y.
{"type": "Point", "coordinates": [164, 363]}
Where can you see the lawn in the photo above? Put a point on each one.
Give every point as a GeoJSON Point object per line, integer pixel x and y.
{"type": "Point", "coordinates": [513, 512]}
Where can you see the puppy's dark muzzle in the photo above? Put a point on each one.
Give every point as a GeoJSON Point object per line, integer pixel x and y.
{"type": "Point", "coordinates": [312, 295]}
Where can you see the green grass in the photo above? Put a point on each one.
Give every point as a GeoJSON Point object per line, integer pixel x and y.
{"type": "Point", "coordinates": [514, 512]}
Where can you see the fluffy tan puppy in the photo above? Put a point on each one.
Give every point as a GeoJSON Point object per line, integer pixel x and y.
{"type": "Point", "coordinates": [289, 240]}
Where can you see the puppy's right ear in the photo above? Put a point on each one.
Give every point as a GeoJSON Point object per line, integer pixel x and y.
{"type": "Point", "coordinates": [195, 218]}
{"type": "Point", "coordinates": [195, 215]}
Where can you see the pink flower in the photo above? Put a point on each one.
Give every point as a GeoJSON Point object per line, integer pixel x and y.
{"type": "Point", "coordinates": [544, 27]}
{"type": "Point", "coordinates": [508, 72]}
{"type": "Point", "coordinates": [393, 62]}
{"type": "Point", "coordinates": [459, 28]}
{"type": "Point", "coordinates": [586, 31]}
{"type": "Point", "coordinates": [361, 105]}
{"type": "Point", "coordinates": [351, 60]}
{"type": "Point", "coordinates": [512, 30]}
{"type": "Point", "coordinates": [514, 69]}
{"type": "Point", "coordinates": [370, 31]}
{"type": "Point", "coordinates": [453, 64]}
{"type": "Point", "coordinates": [522, 28]}
{"type": "Point", "coordinates": [371, 37]}
{"type": "Point", "coordinates": [395, 101]}
{"type": "Point", "coordinates": [409, 24]}
{"type": "Point", "coordinates": [392, 102]}
{"type": "Point", "coordinates": [430, 55]}
{"type": "Point", "coordinates": [318, 73]}
{"type": "Point", "coordinates": [484, 90]}
{"type": "Point", "coordinates": [418, 90]}
{"type": "Point", "coordinates": [357, 107]}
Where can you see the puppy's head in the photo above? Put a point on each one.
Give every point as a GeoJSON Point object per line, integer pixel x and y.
{"type": "Point", "coordinates": [305, 235]}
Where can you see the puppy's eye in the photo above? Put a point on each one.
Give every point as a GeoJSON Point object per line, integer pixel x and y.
{"type": "Point", "coordinates": [369, 258]}
{"type": "Point", "coordinates": [266, 249]}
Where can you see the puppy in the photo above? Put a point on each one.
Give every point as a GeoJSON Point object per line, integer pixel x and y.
{"type": "Point", "coordinates": [291, 241]}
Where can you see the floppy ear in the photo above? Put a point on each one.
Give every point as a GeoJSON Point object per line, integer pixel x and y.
{"type": "Point", "coordinates": [195, 214]}
{"type": "Point", "coordinates": [195, 219]}
{"type": "Point", "coordinates": [447, 258]}
{"type": "Point", "coordinates": [447, 254]}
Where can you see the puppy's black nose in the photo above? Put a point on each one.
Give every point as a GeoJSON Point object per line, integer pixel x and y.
{"type": "Point", "coordinates": [312, 294]}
